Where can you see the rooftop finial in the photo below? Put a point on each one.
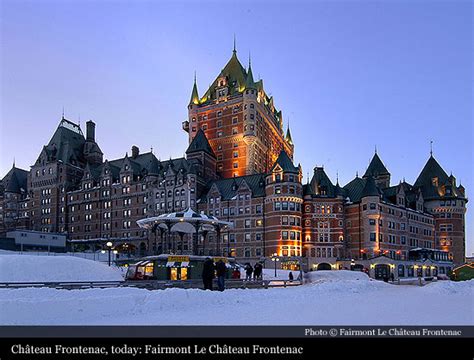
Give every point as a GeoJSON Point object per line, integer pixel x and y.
{"type": "Point", "coordinates": [307, 177]}
{"type": "Point", "coordinates": [62, 117]}
{"type": "Point", "coordinates": [357, 174]}
{"type": "Point", "coordinates": [13, 161]}
{"type": "Point", "coordinates": [376, 148]}
{"type": "Point", "coordinates": [195, 76]}
{"type": "Point", "coordinates": [337, 177]}
{"type": "Point", "coordinates": [431, 147]}
{"type": "Point", "coordinates": [250, 60]}
{"type": "Point", "coordinates": [235, 49]}
{"type": "Point", "coordinates": [151, 149]}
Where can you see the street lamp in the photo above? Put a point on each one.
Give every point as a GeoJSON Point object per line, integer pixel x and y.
{"type": "Point", "coordinates": [109, 248]}
{"type": "Point", "coordinates": [275, 259]}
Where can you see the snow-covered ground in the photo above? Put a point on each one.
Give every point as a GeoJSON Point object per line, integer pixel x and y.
{"type": "Point", "coordinates": [328, 298]}
{"type": "Point", "coordinates": [35, 268]}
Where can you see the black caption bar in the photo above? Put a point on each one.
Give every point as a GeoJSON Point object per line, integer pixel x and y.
{"type": "Point", "coordinates": [173, 348]}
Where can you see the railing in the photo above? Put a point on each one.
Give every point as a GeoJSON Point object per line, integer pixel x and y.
{"type": "Point", "coordinates": [150, 284]}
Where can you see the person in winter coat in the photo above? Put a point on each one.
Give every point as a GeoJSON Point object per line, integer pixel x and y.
{"type": "Point", "coordinates": [257, 271]}
{"type": "Point", "coordinates": [248, 272]}
{"type": "Point", "coordinates": [208, 273]}
{"type": "Point", "coordinates": [221, 271]}
{"type": "Point", "coordinates": [290, 276]}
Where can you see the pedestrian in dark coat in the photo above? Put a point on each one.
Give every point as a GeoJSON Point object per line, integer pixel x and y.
{"type": "Point", "coordinates": [290, 276]}
{"type": "Point", "coordinates": [257, 271]}
{"type": "Point", "coordinates": [248, 272]}
{"type": "Point", "coordinates": [208, 273]}
{"type": "Point", "coordinates": [221, 271]}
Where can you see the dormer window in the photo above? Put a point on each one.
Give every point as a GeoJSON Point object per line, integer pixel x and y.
{"type": "Point", "coordinates": [126, 167]}
{"type": "Point", "coordinates": [434, 181]}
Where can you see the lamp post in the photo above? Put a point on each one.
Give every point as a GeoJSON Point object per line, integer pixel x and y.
{"type": "Point", "coordinates": [275, 259]}
{"type": "Point", "coordinates": [109, 248]}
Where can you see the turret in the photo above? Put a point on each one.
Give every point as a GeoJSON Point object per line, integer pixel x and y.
{"type": "Point", "coordinates": [194, 94]}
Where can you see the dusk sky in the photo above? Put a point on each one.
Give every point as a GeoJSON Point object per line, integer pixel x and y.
{"type": "Point", "coordinates": [350, 75]}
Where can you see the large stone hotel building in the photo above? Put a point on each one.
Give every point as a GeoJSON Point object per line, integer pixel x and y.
{"type": "Point", "coordinates": [239, 168]}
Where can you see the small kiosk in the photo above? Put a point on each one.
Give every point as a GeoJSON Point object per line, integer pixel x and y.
{"type": "Point", "coordinates": [173, 267]}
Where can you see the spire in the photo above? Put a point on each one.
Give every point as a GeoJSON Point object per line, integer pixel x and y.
{"type": "Point", "coordinates": [194, 95]}
{"type": "Point", "coordinates": [249, 82]}
{"type": "Point", "coordinates": [431, 148]}
{"type": "Point", "coordinates": [288, 138]}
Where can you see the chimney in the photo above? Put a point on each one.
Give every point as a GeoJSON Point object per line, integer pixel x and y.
{"type": "Point", "coordinates": [90, 130]}
{"type": "Point", "coordinates": [135, 151]}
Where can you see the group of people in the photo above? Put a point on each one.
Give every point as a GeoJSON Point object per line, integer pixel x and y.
{"type": "Point", "coordinates": [256, 270]}
{"type": "Point", "coordinates": [219, 270]}
{"type": "Point", "coordinates": [209, 270]}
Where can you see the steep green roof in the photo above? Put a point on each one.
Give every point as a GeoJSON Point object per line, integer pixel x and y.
{"type": "Point", "coordinates": [236, 77]}
{"type": "Point", "coordinates": [354, 189]}
{"type": "Point", "coordinates": [285, 163]}
{"type": "Point", "coordinates": [194, 95]}
{"type": "Point", "coordinates": [370, 188]}
{"type": "Point", "coordinates": [15, 181]}
{"type": "Point", "coordinates": [228, 188]}
{"type": "Point", "coordinates": [200, 143]}
{"type": "Point", "coordinates": [249, 83]}
{"type": "Point", "coordinates": [376, 167]}
{"type": "Point", "coordinates": [66, 144]}
{"type": "Point", "coordinates": [320, 183]}
{"type": "Point", "coordinates": [431, 170]}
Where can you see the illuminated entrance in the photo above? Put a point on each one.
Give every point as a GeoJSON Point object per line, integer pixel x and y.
{"type": "Point", "coordinates": [178, 273]}
{"type": "Point", "coordinates": [382, 271]}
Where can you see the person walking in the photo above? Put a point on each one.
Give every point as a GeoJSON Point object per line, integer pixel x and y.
{"type": "Point", "coordinates": [248, 272]}
{"type": "Point", "coordinates": [290, 276]}
{"type": "Point", "coordinates": [221, 271]}
{"type": "Point", "coordinates": [208, 273]}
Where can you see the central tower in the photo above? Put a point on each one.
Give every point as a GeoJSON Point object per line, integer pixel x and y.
{"type": "Point", "coordinates": [239, 120]}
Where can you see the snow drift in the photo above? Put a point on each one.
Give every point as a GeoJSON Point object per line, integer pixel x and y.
{"type": "Point", "coordinates": [37, 268]}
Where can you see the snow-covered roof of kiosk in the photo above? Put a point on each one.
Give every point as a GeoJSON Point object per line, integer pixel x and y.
{"type": "Point", "coordinates": [184, 221]}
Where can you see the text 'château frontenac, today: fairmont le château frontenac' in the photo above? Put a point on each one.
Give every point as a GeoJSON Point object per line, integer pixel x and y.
{"type": "Point", "coordinates": [239, 168]}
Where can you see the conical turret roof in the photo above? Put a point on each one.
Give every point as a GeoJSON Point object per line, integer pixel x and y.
{"type": "Point", "coordinates": [370, 188]}
{"type": "Point", "coordinates": [200, 143]}
{"type": "Point", "coordinates": [376, 167]}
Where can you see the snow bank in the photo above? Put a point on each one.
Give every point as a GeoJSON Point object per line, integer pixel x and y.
{"type": "Point", "coordinates": [332, 301]}
{"type": "Point", "coordinates": [335, 275]}
{"type": "Point", "coordinates": [35, 268]}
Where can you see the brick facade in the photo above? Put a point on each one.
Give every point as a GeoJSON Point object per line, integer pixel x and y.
{"type": "Point", "coordinates": [238, 167]}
